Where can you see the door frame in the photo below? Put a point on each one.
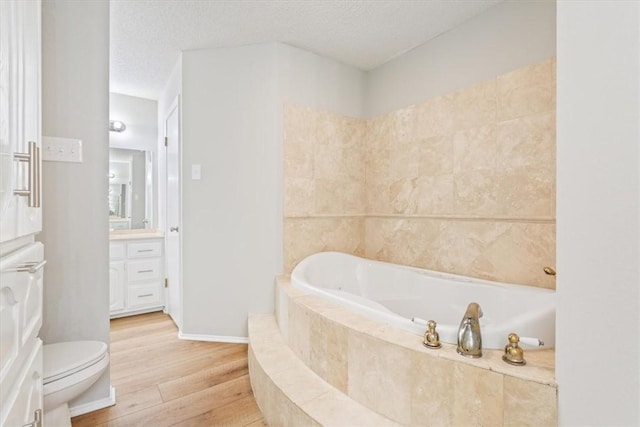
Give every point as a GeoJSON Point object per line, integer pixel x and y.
{"type": "Point", "coordinates": [175, 106]}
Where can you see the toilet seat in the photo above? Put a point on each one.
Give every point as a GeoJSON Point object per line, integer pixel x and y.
{"type": "Point", "coordinates": [67, 358]}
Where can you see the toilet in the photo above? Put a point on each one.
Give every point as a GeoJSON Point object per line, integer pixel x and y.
{"type": "Point", "coordinates": [70, 368]}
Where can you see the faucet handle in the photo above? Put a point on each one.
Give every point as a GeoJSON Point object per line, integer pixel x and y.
{"type": "Point", "coordinates": [431, 337]}
{"type": "Point", "coordinates": [513, 353]}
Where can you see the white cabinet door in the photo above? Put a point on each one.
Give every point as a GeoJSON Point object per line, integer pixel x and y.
{"type": "Point", "coordinates": [25, 404]}
{"type": "Point", "coordinates": [19, 118]}
{"type": "Point", "coordinates": [116, 285]}
{"type": "Point", "coordinates": [20, 321]}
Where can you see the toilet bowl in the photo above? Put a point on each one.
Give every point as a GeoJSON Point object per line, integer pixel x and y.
{"type": "Point", "coordinates": [70, 368]}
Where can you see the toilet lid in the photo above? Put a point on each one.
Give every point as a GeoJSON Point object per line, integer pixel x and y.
{"type": "Point", "coordinates": [65, 358]}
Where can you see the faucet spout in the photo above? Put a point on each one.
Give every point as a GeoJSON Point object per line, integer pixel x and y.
{"type": "Point", "coordinates": [469, 336]}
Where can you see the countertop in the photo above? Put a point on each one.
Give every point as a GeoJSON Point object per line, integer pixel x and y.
{"type": "Point", "coordinates": [135, 234]}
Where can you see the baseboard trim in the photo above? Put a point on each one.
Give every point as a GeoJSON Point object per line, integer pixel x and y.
{"type": "Point", "coordinates": [213, 338]}
{"type": "Point", "coordinates": [95, 405]}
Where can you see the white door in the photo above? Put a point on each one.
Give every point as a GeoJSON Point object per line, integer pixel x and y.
{"type": "Point", "coordinates": [173, 224]}
{"type": "Point", "coordinates": [20, 134]}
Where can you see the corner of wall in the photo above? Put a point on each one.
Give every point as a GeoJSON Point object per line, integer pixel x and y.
{"type": "Point", "coordinates": [75, 103]}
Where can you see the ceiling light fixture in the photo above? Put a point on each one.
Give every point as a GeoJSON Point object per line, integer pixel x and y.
{"type": "Point", "coordinates": [116, 126]}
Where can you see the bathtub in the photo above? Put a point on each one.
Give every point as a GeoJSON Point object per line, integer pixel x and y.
{"type": "Point", "coordinates": [396, 294]}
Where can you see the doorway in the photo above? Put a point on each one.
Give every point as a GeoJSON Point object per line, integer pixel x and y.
{"type": "Point", "coordinates": [173, 243]}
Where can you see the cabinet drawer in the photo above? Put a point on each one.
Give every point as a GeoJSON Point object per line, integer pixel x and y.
{"type": "Point", "coordinates": [144, 249]}
{"type": "Point", "coordinates": [141, 295]}
{"type": "Point", "coordinates": [143, 270]}
{"type": "Point", "coordinates": [116, 251]}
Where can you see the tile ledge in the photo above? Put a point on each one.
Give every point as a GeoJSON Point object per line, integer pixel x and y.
{"type": "Point", "coordinates": [492, 361]}
{"type": "Point", "coordinates": [317, 407]}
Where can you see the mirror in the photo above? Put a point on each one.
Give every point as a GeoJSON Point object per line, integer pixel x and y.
{"type": "Point", "coordinates": [130, 189]}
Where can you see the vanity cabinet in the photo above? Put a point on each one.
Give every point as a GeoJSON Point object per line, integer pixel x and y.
{"type": "Point", "coordinates": [21, 257]}
{"type": "Point", "coordinates": [136, 276]}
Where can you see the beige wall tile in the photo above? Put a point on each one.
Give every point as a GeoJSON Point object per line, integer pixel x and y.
{"type": "Point", "coordinates": [329, 410]}
{"type": "Point", "coordinates": [476, 193]}
{"type": "Point", "coordinates": [306, 236]}
{"type": "Point", "coordinates": [339, 197]}
{"type": "Point", "coordinates": [526, 100]}
{"type": "Point", "coordinates": [518, 254]}
{"type": "Point", "coordinates": [404, 125]}
{"type": "Point", "coordinates": [435, 117]}
{"type": "Point", "coordinates": [329, 351]}
{"type": "Point", "coordinates": [401, 241]}
{"type": "Point", "coordinates": [434, 195]}
{"type": "Point", "coordinates": [528, 141]}
{"type": "Point", "coordinates": [380, 376]}
{"type": "Point", "coordinates": [432, 390]}
{"type": "Point", "coordinates": [263, 389]}
{"type": "Point", "coordinates": [294, 382]}
{"type": "Point", "coordinates": [424, 195]}
{"type": "Point", "coordinates": [527, 192]}
{"type": "Point", "coordinates": [299, 158]}
{"type": "Point", "coordinates": [378, 167]}
{"type": "Point", "coordinates": [404, 162]}
{"type": "Point", "coordinates": [378, 198]}
{"type": "Point", "coordinates": [299, 331]}
{"type": "Point", "coordinates": [299, 196]}
{"type": "Point", "coordinates": [477, 396]}
{"type": "Point", "coordinates": [460, 243]}
{"type": "Point", "coordinates": [526, 91]}
{"type": "Point", "coordinates": [380, 133]}
{"type": "Point", "coordinates": [527, 403]}
{"type": "Point", "coordinates": [475, 149]}
{"type": "Point", "coordinates": [338, 162]}
{"type": "Point", "coordinates": [475, 106]}
{"type": "Point", "coordinates": [401, 194]}
{"type": "Point", "coordinates": [329, 130]}
{"type": "Point", "coordinates": [299, 141]}
{"type": "Point", "coordinates": [436, 156]}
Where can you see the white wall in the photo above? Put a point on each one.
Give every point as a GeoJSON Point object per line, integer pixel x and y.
{"type": "Point", "coordinates": [507, 36]}
{"type": "Point", "coordinates": [231, 126]}
{"type": "Point", "coordinates": [140, 115]}
{"type": "Point", "coordinates": [231, 226]}
{"type": "Point", "coordinates": [75, 103]}
{"type": "Point", "coordinates": [310, 80]}
{"type": "Point", "coordinates": [598, 213]}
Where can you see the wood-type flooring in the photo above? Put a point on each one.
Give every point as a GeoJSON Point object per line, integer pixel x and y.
{"type": "Point", "coordinates": [163, 381]}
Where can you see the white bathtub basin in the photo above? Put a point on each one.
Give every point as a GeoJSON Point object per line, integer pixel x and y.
{"type": "Point", "coordinates": [395, 294]}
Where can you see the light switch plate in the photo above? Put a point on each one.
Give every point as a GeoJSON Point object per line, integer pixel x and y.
{"type": "Point", "coordinates": [196, 172]}
{"type": "Point", "coordinates": [56, 149]}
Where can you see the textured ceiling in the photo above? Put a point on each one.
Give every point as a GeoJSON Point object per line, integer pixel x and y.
{"type": "Point", "coordinates": [147, 36]}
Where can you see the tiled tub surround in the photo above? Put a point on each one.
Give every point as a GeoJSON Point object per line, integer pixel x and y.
{"type": "Point", "coordinates": [390, 371]}
{"type": "Point", "coordinates": [462, 183]}
{"type": "Point", "coordinates": [324, 183]}
{"type": "Point", "coordinates": [289, 393]}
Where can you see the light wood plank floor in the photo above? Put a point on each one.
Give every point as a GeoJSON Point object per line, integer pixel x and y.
{"type": "Point", "coordinates": [163, 381]}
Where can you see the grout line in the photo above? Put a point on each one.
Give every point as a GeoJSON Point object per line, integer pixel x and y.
{"type": "Point", "coordinates": [461, 218]}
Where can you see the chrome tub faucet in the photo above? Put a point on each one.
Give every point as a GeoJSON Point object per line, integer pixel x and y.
{"type": "Point", "coordinates": [469, 336]}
